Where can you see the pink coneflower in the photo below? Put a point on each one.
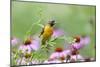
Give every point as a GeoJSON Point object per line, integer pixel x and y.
{"type": "Point", "coordinates": [59, 49]}
{"type": "Point", "coordinates": [14, 41]}
{"type": "Point", "coordinates": [62, 59]}
{"type": "Point", "coordinates": [66, 52]}
{"type": "Point", "coordinates": [59, 53]}
{"type": "Point", "coordinates": [85, 40]}
{"type": "Point", "coordinates": [77, 57]}
{"type": "Point", "coordinates": [58, 57]}
{"type": "Point", "coordinates": [74, 51]}
{"type": "Point", "coordinates": [30, 45]}
{"type": "Point", "coordinates": [57, 33]}
{"type": "Point", "coordinates": [80, 42]}
{"type": "Point", "coordinates": [77, 39]}
{"type": "Point", "coordinates": [36, 44]}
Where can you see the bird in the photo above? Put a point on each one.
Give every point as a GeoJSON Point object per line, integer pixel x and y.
{"type": "Point", "coordinates": [47, 31]}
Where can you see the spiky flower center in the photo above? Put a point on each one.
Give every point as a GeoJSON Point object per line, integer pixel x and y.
{"type": "Point", "coordinates": [75, 52]}
{"type": "Point", "coordinates": [27, 41]}
{"type": "Point", "coordinates": [77, 39]}
{"type": "Point", "coordinates": [62, 58]}
{"type": "Point", "coordinates": [58, 49]}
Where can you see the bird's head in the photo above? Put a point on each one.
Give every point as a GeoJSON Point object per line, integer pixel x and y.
{"type": "Point", "coordinates": [52, 22]}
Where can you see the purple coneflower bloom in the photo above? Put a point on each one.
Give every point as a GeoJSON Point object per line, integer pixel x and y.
{"type": "Point", "coordinates": [66, 52]}
{"type": "Point", "coordinates": [30, 45]}
{"type": "Point", "coordinates": [80, 42]}
{"type": "Point", "coordinates": [36, 43]}
{"type": "Point", "coordinates": [57, 33]}
{"type": "Point", "coordinates": [85, 40]}
{"type": "Point", "coordinates": [59, 54]}
{"type": "Point", "coordinates": [14, 41]}
{"type": "Point", "coordinates": [77, 57]}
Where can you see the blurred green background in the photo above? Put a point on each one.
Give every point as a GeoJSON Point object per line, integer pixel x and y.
{"type": "Point", "coordinates": [73, 19]}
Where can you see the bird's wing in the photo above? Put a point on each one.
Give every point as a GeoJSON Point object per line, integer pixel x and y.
{"type": "Point", "coordinates": [41, 32]}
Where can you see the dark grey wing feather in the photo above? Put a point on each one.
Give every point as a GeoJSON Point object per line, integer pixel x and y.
{"type": "Point", "coordinates": [41, 32]}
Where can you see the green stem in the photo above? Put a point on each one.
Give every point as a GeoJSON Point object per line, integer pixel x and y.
{"type": "Point", "coordinates": [37, 23]}
{"type": "Point", "coordinates": [30, 29]}
{"type": "Point", "coordinates": [31, 57]}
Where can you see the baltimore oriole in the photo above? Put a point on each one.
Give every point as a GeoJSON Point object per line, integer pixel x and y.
{"type": "Point", "coordinates": [47, 31]}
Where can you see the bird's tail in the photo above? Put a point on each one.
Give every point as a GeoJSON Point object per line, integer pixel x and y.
{"type": "Point", "coordinates": [43, 41]}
